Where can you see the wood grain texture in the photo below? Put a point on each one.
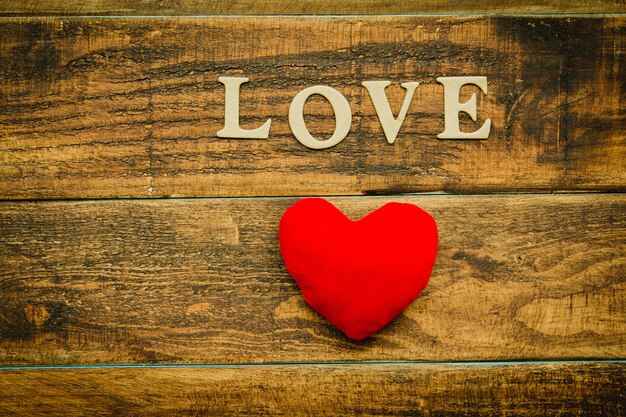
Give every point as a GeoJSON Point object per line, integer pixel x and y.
{"type": "Point", "coordinates": [560, 389]}
{"type": "Point", "coordinates": [304, 7]}
{"type": "Point", "coordinates": [202, 280]}
{"type": "Point", "coordinates": [130, 107]}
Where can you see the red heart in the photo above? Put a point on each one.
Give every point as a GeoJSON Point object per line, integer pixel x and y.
{"type": "Point", "coordinates": [359, 275]}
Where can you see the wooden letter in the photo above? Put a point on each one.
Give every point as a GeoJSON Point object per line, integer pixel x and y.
{"type": "Point", "coordinates": [391, 125]}
{"type": "Point", "coordinates": [343, 117]}
{"type": "Point", "coordinates": [231, 113]}
{"type": "Point", "coordinates": [452, 107]}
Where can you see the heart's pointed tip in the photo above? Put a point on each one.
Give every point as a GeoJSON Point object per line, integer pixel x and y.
{"type": "Point", "coordinates": [358, 336]}
{"type": "Point", "coordinates": [359, 330]}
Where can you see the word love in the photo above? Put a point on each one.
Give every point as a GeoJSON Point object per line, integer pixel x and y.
{"type": "Point", "coordinates": [343, 114]}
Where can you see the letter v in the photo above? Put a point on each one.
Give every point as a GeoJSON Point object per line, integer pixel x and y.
{"type": "Point", "coordinates": [391, 125]}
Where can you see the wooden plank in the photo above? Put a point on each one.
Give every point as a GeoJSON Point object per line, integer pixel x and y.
{"type": "Point", "coordinates": [316, 7]}
{"type": "Point", "coordinates": [202, 280]}
{"type": "Point", "coordinates": [130, 107]}
{"type": "Point", "coordinates": [558, 389]}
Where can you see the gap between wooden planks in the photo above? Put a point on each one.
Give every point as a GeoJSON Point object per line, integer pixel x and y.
{"type": "Point", "coordinates": [304, 7]}
{"type": "Point", "coordinates": [130, 107]}
{"type": "Point", "coordinates": [202, 280]}
{"type": "Point", "coordinates": [555, 389]}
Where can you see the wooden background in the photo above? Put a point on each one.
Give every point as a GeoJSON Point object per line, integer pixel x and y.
{"type": "Point", "coordinates": [139, 263]}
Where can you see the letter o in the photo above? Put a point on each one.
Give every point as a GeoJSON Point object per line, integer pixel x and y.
{"type": "Point", "coordinates": [343, 117]}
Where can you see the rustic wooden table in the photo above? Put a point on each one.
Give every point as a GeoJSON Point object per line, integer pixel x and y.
{"type": "Point", "coordinates": [139, 264]}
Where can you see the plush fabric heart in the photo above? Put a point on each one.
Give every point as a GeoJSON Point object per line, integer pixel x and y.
{"type": "Point", "coordinates": [358, 274]}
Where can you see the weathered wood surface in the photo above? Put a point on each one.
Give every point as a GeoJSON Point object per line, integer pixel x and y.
{"type": "Point", "coordinates": [279, 7]}
{"type": "Point", "coordinates": [558, 389]}
{"type": "Point", "coordinates": [130, 107]}
{"type": "Point", "coordinates": [202, 280]}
